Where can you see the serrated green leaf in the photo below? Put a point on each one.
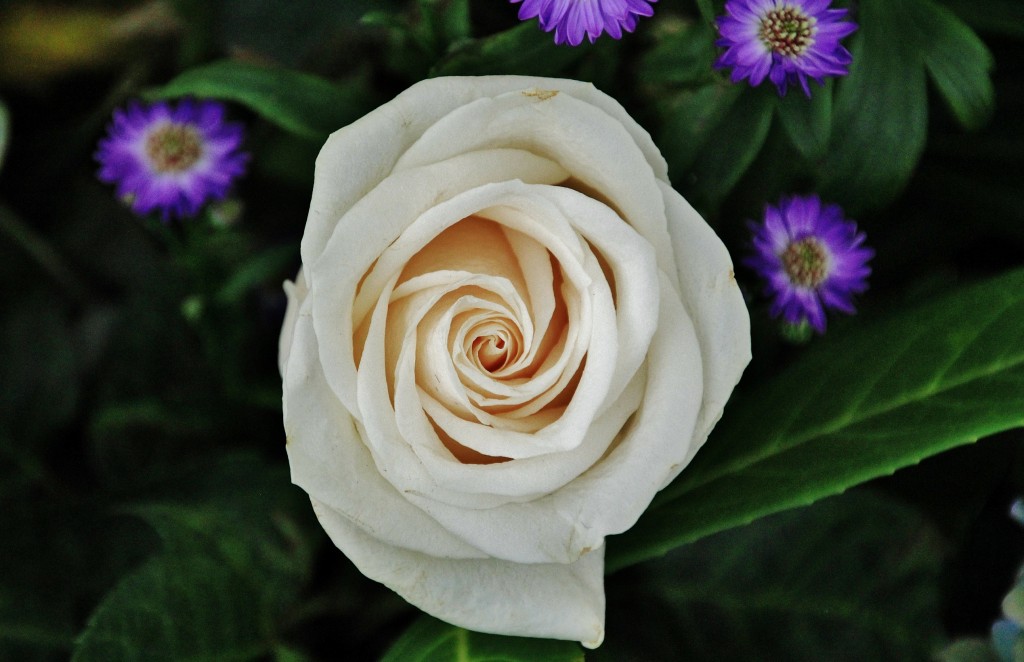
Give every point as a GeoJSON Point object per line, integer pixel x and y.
{"type": "Point", "coordinates": [851, 578]}
{"type": "Point", "coordinates": [859, 406]}
{"type": "Point", "coordinates": [808, 122]}
{"type": "Point", "coordinates": [298, 102]}
{"type": "Point", "coordinates": [958, 62]}
{"type": "Point", "coordinates": [523, 50]}
{"type": "Point", "coordinates": [429, 639]}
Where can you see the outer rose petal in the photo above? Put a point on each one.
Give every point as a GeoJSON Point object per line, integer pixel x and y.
{"type": "Point", "coordinates": [379, 139]}
{"type": "Point", "coordinates": [516, 547]}
{"type": "Point", "coordinates": [556, 600]}
{"type": "Point", "coordinates": [330, 463]}
{"type": "Point", "coordinates": [708, 287]}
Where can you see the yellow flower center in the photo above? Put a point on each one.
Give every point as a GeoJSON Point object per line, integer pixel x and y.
{"type": "Point", "coordinates": [806, 262]}
{"type": "Point", "coordinates": [174, 148]}
{"type": "Point", "coordinates": [787, 31]}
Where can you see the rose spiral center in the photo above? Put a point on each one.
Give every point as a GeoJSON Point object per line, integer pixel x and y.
{"type": "Point", "coordinates": [787, 31]}
{"type": "Point", "coordinates": [494, 346]}
{"type": "Point", "coordinates": [806, 262]}
{"type": "Point", "coordinates": [173, 148]}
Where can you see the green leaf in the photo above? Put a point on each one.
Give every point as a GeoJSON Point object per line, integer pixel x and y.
{"type": "Point", "coordinates": [433, 640]}
{"type": "Point", "coordinates": [707, 10]}
{"type": "Point", "coordinates": [447, 20]}
{"type": "Point", "coordinates": [850, 578]}
{"type": "Point", "coordinates": [857, 406]}
{"type": "Point", "coordinates": [959, 64]}
{"type": "Point", "coordinates": [730, 149]}
{"type": "Point", "coordinates": [283, 653]}
{"type": "Point", "coordinates": [298, 102]}
{"type": "Point", "coordinates": [57, 554]}
{"type": "Point", "coordinates": [881, 108]}
{"type": "Point", "coordinates": [524, 50]}
{"type": "Point", "coordinates": [808, 122]}
{"type": "Point", "coordinates": [33, 568]}
{"type": "Point", "coordinates": [1004, 17]}
{"type": "Point", "coordinates": [178, 607]}
{"type": "Point", "coordinates": [688, 120]}
{"type": "Point", "coordinates": [231, 565]}
{"type": "Point", "coordinates": [881, 112]}
{"type": "Point", "coordinates": [258, 270]}
{"type": "Point", "coordinates": [682, 55]}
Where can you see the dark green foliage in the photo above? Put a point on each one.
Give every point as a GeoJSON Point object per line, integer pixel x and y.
{"type": "Point", "coordinates": [881, 110]}
{"type": "Point", "coordinates": [851, 579]}
{"type": "Point", "coordinates": [231, 564]}
{"type": "Point", "coordinates": [521, 50]}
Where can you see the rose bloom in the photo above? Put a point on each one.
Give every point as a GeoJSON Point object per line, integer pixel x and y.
{"type": "Point", "coordinates": [509, 332]}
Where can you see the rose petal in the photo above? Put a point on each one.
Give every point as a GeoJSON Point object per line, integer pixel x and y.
{"type": "Point", "coordinates": [328, 459]}
{"type": "Point", "coordinates": [381, 218]}
{"type": "Point", "coordinates": [376, 141]}
{"type": "Point", "coordinates": [611, 495]}
{"type": "Point", "coordinates": [295, 292]}
{"type": "Point", "coordinates": [552, 600]}
{"type": "Point", "coordinates": [708, 287]}
{"type": "Point", "coordinates": [586, 141]}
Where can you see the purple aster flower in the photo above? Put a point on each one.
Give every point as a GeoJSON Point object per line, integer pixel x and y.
{"type": "Point", "coordinates": [171, 159]}
{"type": "Point", "coordinates": [571, 19]}
{"type": "Point", "coordinates": [811, 258]}
{"type": "Point", "coordinates": [788, 41]}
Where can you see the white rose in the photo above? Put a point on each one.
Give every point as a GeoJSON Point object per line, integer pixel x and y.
{"type": "Point", "coordinates": [508, 334]}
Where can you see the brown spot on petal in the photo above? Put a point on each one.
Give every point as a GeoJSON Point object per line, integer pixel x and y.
{"type": "Point", "coordinates": [732, 275]}
{"type": "Point", "coordinates": [543, 95]}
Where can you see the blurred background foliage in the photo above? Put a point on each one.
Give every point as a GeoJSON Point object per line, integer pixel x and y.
{"type": "Point", "coordinates": [145, 506]}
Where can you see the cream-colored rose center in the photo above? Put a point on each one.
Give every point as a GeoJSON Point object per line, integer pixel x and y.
{"type": "Point", "coordinates": [491, 318]}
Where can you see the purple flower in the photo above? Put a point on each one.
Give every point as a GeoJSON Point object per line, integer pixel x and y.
{"type": "Point", "coordinates": [788, 41]}
{"type": "Point", "coordinates": [571, 19]}
{"type": "Point", "coordinates": [171, 159]}
{"type": "Point", "coordinates": [811, 258]}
